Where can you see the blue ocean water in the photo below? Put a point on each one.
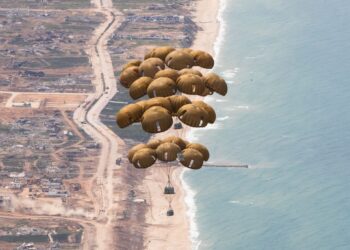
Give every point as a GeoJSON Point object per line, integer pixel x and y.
{"type": "Point", "coordinates": [287, 115]}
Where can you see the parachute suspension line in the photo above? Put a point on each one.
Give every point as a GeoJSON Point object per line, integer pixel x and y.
{"type": "Point", "coordinates": [169, 189]}
{"type": "Point", "coordinates": [168, 170]}
{"type": "Point", "coordinates": [169, 197]}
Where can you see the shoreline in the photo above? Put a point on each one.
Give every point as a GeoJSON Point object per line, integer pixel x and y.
{"type": "Point", "coordinates": [179, 231]}
{"type": "Point", "coordinates": [209, 39]}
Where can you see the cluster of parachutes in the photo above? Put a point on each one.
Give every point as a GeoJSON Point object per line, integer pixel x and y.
{"type": "Point", "coordinates": [151, 77]}
{"type": "Point", "coordinates": [164, 75]}
{"type": "Point", "coordinates": [156, 114]}
{"type": "Point", "coordinates": [190, 155]}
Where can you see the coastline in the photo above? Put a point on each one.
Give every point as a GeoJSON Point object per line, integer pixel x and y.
{"type": "Point", "coordinates": [179, 231]}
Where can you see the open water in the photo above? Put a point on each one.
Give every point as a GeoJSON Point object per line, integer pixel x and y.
{"type": "Point", "coordinates": [287, 115]}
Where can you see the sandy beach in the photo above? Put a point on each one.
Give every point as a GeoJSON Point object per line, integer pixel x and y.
{"type": "Point", "coordinates": [165, 232]}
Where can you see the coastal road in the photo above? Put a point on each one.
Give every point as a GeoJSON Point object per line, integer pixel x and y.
{"type": "Point", "coordinates": [87, 117]}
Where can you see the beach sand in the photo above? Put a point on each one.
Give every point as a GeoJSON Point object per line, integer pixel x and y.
{"type": "Point", "coordinates": [163, 232]}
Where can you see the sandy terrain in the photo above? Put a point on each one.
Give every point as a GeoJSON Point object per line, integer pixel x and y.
{"type": "Point", "coordinates": [61, 101]}
{"type": "Point", "coordinates": [3, 98]}
{"type": "Point", "coordinates": [99, 224]}
{"type": "Point", "coordinates": [173, 232]}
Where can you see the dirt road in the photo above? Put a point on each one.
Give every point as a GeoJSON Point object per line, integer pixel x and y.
{"type": "Point", "coordinates": [87, 117]}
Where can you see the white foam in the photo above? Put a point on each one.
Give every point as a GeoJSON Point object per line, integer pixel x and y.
{"type": "Point", "coordinates": [191, 212]}
{"type": "Point", "coordinates": [239, 107]}
{"type": "Point", "coordinates": [223, 118]}
{"type": "Point", "coordinates": [189, 193]}
{"type": "Point", "coordinates": [243, 203]}
{"type": "Point", "coordinates": [222, 30]}
{"type": "Point", "coordinates": [221, 100]}
{"type": "Point", "coordinates": [230, 73]}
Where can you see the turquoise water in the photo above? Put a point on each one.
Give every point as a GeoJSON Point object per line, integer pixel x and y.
{"type": "Point", "coordinates": [287, 115]}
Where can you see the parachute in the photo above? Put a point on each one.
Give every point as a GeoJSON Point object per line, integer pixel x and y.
{"type": "Point", "coordinates": [167, 151]}
{"type": "Point", "coordinates": [208, 109]}
{"type": "Point", "coordinates": [170, 73]}
{"type": "Point", "coordinates": [164, 76]}
{"type": "Point", "coordinates": [156, 113]}
{"type": "Point", "coordinates": [128, 115]}
{"type": "Point", "coordinates": [158, 101]}
{"type": "Point", "coordinates": [190, 84]}
{"type": "Point", "coordinates": [202, 59]}
{"type": "Point", "coordinates": [192, 158]}
{"type": "Point", "coordinates": [177, 140]}
{"type": "Point", "coordinates": [131, 63]}
{"type": "Point", "coordinates": [190, 155]}
{"type": "Point", "coordinates": [190, 71]}
{"type": "Point", "coordinates": [160, 52]}
{"type": "Point", "coordinates": [215, 83]}
{"type": "Point", "coordinates": [144, 158]}
{"type": "Point", "coordinates": [162, 86]}
{"type": "Point", "coordinates": [153, 143]}
{"type": "Point", "coordinates": [129, 75]}
{"type": "Point", "coordinates": [177, 101]}
{"type": "Point", "coordinates": [156, 119]}
{"type": "Point", "coordinates": [193, 115]}
{"type": "Point", "coordinates": [134, 149]}
{"type": "Point", "coordinates": [151, 66]}
{"type": "Point", "coordinates": [139, 87]}
{"type": "Point", "coordinates": [179, 60]}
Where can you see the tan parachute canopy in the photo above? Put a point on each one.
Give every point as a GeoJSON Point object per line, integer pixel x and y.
{"type": "Point", "coordinates": [152, 78]}
{"type": "Point", "coordinates": [154, 143]}
{"type": "Point", "coordinates": [202, 59]}
{"type": "Point", "coordinates": [190, 71]}
{"type": "Point", "coordinates": [134, 149]}
{"type": "Point", "coordinates": [177, 101]}
{"type": "Point", "coordinates": [206, 92]}
{"type": "Point", "coordinates": [179, 60]}
{"type": "Point", "coordinates": [139, 87]}
{"type": "Point", "coordinates": [156, 119]}
{"type": "Point", "coordinates": [144, 158]}
{"type": "Point", "coordinates": [215, 83]}
{"type": "Point", "coordinates": [201, 148]}
{"type": "Point", "coordinates": [177, 140]}
{"type": "Point", "coordinates": [193, 116]}
{"type": "Point", "coordinates": [129, 75]}
{"type": "Point", "coordinates": [167, 151]}
{"type": "Point", "coordinates": [161, 87]}
{"type": "Point", "coordinates": [190, 84]}
{"type": "Point", "coordinates": [151, 66]}
{"type": "Point", "coordinates": [192, 158]}
{"type": "Point", "coordinates": [131, 63]}
{"type": "Point", "coordinates": [129, 114]}
{"type": "Point", "coordinates": [186, 50]}
{"type": "Point", "coordinates": [191, 155]}
{"type": "Point", "coordinates": [170, 73]}
{"type": "Point", "coordinates": [209, 109]}
{"type": "Point", "coordinates": [160, 52]}
{"type": "Point", "coordinates": [157, 101]}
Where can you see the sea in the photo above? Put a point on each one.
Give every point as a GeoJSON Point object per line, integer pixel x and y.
{"type": "Point", "coordinates": [286, 115]}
